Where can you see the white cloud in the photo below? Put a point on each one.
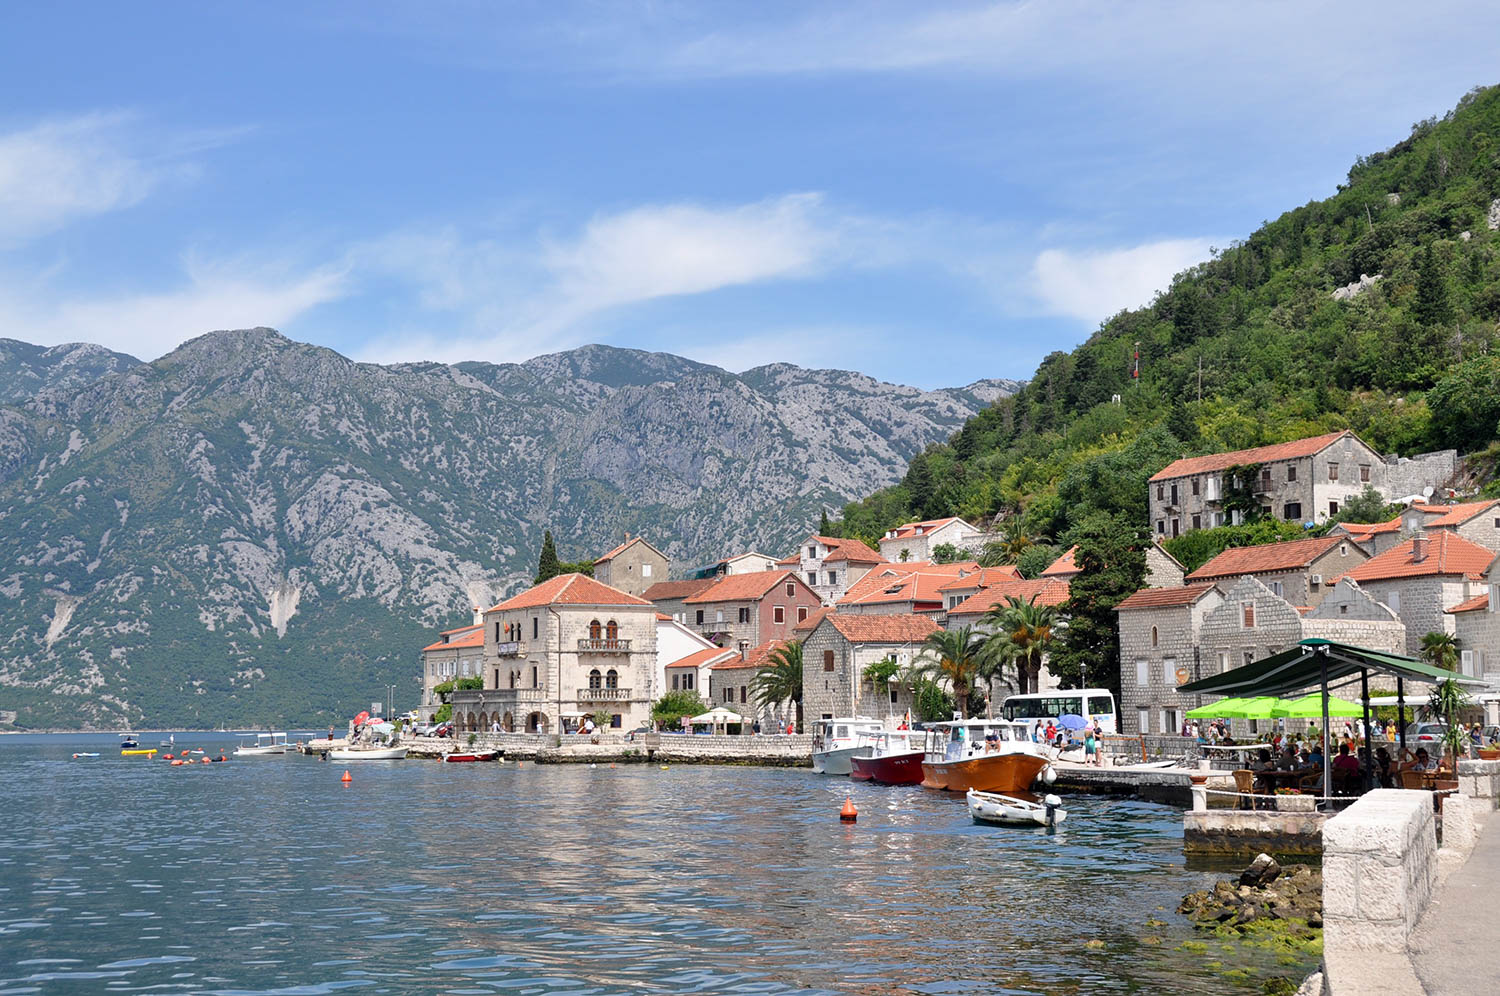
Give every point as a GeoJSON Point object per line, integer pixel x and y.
{"type": "Point", "coordinates": [806, 347]}
{"type": "Point", "coordinates": [1094, 284]}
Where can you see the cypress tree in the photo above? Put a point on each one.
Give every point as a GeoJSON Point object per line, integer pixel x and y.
{"type": "Point", "coordinates": [825, 528]}
{"type": "Point", "coordinates": [1432, 306]}
{"type": "Point", "coordinates": [920, 488]}
{"type": "Point", "coordinates": [547, 566]}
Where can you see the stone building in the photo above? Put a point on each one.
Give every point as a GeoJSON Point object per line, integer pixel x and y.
{"type": "Point", "coordinates": [1161, 648]}
{"type": "Point", "coordinates": [632, 567]}
{"type": "Point", "coordinates": [566, 648]}
{"type": "Point", "coordinates": [1476, 521]}
{"type": "Point", "coordinates": [1306, 480]}
{"type": "Point", "coordinates": [836, 653]}
{"type": "Point", "coordinates": [1301, 571]}
{"type": "Point", "coordinates": [1422, 577]}
{"type": "Point", "coordinates": [731, 684]}
{"type": "Point", "coordinates": [670, 597]}
{"type": "Point", "coordinates": [691, 673]}
{"type": "Point", "coordinates": [674, 642]}
{"type": "Point", "coordinates": [457, 653]}
{"type": "Point", "coordinates": [970, 583]}
{"type": "Point", "coordinates": [830, 565]}
{"type": "Point", "coordinates": [744, 563]}
{"type": "Point", "coordinates": [972, 611]}
{"type": "Point", "coordinates": [1162, 569]}
{"type": "Point", "coordinates": [1476, 627]}
{"type": "Point", "coordinates": [746, 610]}
{"type": "Point", "coordinates": [914, 541]}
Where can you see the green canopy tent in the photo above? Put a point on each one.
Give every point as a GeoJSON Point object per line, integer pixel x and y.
{"type": "Point", "coordinates": [1325, 664]}
{"type": "Point", "coordinates": [1258, 707]}
{"type": "Point", "coordinates": [1312, 705]}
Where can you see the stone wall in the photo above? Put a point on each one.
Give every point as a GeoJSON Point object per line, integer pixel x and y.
{"type": "Point", "coordinates": [1410, 475]}
{"type": "Point", "coordinates": [1175, 647]}
{"type": "Point", "coordinates": [1380, 866]}
{"type": "Point", "coordinates": [1420, 604]}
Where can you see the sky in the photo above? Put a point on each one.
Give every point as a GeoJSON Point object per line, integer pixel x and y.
{"type": "Point", "coordinates": [928, 193]}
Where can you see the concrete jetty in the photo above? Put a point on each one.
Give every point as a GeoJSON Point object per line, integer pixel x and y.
{"type": "Point", "coordinates": [776, 750]}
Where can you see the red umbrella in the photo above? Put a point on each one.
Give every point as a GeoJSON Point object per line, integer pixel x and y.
{"type": "Point", "coordinates": [361, 718]}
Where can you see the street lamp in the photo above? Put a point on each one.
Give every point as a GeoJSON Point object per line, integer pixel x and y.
{"type": "Point", "coordinates": [390, 702]}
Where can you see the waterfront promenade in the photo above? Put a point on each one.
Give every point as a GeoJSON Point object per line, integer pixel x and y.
{"type": "Point", "coordinates": [1452, 949]}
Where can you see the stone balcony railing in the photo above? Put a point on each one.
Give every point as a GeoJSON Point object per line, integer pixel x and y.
{"type": "Point", "coordinates": [514, 648]}
{"type": "Point", "coordinates": [594, 644]}
{"type": "Point", "coordinates": [497, 696]}
{"type": "Point", "coordinates": [604, 695]}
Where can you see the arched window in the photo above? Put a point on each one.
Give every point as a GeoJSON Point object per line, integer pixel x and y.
{"type": "Point", "coordinates": [612, 631]}
{"type": "Point", "coordinates": [1154, 636]}
{"type": "Point", "coordinates": [594, 678]}
{"type": "Point", "coordinates": [594, 630]}
{"type": "Point", "coordinates": [611, 679]}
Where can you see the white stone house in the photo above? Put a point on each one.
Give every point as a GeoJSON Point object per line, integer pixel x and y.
{"type": "Point", "coordinates": [1161, 648]}
{"type": "Point", "coordinates": [674, 642]}
{"type": "Point", "coordinates": [831, 565]}
{"type": "Point", "coordinates": [1301, 571]}
{"type": "Point", "coordinates": [1422, 577]}
{"type": "Point", "coordinates": [692, 673]}
{"type": "Point", "coordinates": [914, 541]}
{"type": "Point", "coordinates": [745, 563]}
{"type": "Point", "coordinates": [837, 652]}
{"type": "Point", "coordinates": [633, 566]}
{"type": "Point", "coordinates": [457, 653]}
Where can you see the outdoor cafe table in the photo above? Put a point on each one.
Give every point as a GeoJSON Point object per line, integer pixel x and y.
{"type": "Point", "coordinates": [1286, 778]}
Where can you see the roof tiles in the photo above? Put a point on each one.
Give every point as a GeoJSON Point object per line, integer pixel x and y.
{"type": "Point", "coordinates": [1188, 466]}
{"type": "Point", "coordinates": [1285, 556]}
{"type": "Point", "coordinates": [473, 638]}
{"type": "Point", "coordinates": [743, 587]}
{"type": "Point", "coordinates": [1044, 591]}
{"type": "Point", "coordinates": [664, 590]}
{"type": "Point", "coordinates": [1165, 598]}
{"type": "Point", "coordinates": [859, 628]}
{"type": "Point", "coordinates": [1443, 553]}
{"type": "Point", "coordinates": [569, 589]}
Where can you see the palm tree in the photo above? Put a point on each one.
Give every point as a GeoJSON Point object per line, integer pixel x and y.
{"type": "Point", "coordinates": [1023, 634]}
{"type": "Point", "coordinates": [1441, 650]}
{"type": "Point", "coordinates": [955, 656]}
{"type": "Point", "coordinates": [781, 679]}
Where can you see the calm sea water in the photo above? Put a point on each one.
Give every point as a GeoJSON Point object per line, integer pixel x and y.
{"type": "Point", "coordinates": [268, 876]}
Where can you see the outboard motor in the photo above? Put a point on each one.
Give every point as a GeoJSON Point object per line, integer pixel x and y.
{"type": "Point", "coordinates": [1052, 803]}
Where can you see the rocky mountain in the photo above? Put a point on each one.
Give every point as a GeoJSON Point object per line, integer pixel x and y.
{"type": "Point", "coordinates": [254, 530]}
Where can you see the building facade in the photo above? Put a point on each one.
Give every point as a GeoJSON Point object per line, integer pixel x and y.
{"type": "Point", "coordinates": [1161, 648]}
{"type": "Point", "coordinates": [831, 565]}
{"type": "Point", "coordinates": [837, 652]}
{"type": "Point", "coordinates": [1422, 577]}
{"type": "Point", "coordinates": [1301, 571]}
{"type": "Point", "coordinates": [632, 567]}
{"type": "Point", "coordinates": [669, 596]}
{"type": "Point", "coordinates": [914, 541]}
{"type": "Point", "coordinates": [458, 653]}
{"type": "Point", "coordinates": [741, 611]}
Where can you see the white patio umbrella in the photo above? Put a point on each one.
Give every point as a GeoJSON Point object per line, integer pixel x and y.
{"type": "Point", "coordinates": [718, 716]}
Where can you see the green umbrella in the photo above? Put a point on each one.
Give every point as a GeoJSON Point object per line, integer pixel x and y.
{"type": "Point", "coordinates": [1312, 705]}
{"type": "Point", "coordinates": [1237, 708]}
{"type": "Point", "coordinates": [1215, 710]}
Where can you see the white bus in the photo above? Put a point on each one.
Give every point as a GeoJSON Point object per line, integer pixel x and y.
{"type": "Point", "coordinates": [1090, 703]}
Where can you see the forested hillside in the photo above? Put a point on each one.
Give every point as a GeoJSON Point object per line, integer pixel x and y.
{"type": "Point", "coordinates": [1253, 347]}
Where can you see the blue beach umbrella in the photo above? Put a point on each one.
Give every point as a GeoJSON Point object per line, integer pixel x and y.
{"type": "Point", "coordinates": [1071, 721]}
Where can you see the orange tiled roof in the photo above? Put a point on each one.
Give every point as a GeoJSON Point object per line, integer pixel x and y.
{"type": "Point", "coordinates": [1285, 556]}
{"type": "Point", "coordinates": [699, 658]}
{"type": "Point", "coordinates": [983, 578]}
{"type": "Point", "coordinates": [1457, 515]}
{"type": "Point", "coordinates": [839, 549]}
{"type": "Point", "coordinates": [909, 529]}
{"type": "Point", "coordinates": [474, 638]}
{"type": "Point", "coordinates": [1165, 598]}
{"type": "Point", "coordinates": [1475, 604]}
{"type": "Point", "coordinates": [1064, 566]}
{"type": "Point", "coordinates": [569, 589]}
{"type": "Point", "coordinates": [1259, 454]}
{"type": "Point", "coordinates": [1364, 530]}
{"type": "Point", "coordinates": [859, 628]}
{"type": "Point", "coordinates": [1046, 591]}
{"type": "Point", "coordinates": [811, 622]}
{"type": "Point", "coordinates": [757, 657]}
{"type": "Point", "coordinates": [919, 582]}
{"type": "Point", "coordinates": [1445, 554]}
{"type": "Point", "coordinates": [611, 555]}
{"type": "Point", "coordinates": [664, 590]}
{"type": "Point", "coordinates": [743, 587]}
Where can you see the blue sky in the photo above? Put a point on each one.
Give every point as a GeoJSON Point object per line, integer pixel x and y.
{"type": "Point", "coordinates": [927, 193]}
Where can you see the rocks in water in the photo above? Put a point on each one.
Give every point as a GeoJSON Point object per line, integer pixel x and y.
{"type": "Point", "coordinates": [1262, 871]}
{"type": "Point", "coordinates": [1264, 892]}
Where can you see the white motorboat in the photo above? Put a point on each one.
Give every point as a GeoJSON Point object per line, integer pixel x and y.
{"type": "Point", "coordinates": [1005, 810]}
{"type": "Point", "coordinates": [835, 741]}
{"type": "Point", "coordinates": [262, 745]}
{"type": "Point", "coordinates": [367, 753]}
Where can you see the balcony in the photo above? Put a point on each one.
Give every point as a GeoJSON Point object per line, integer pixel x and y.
{"type": "Point", "coordinates": [512, 649]}
{"type": "Point", "coordinates": [598, 645]}
{"type": "Point", "coordinates": [604, 695]}
{"type": "Point", "coordinates": [497, 696]}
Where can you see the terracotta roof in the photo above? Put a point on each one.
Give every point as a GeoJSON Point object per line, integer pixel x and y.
{"type": "Point", "coordinates": [757, 657]}
{"type": "Point", "coordinates": [1064, 566]}
{"type": "Point", "coordinates": [909, 529]}
{"type": "Point", "coordinates": [1475, 604]}
{"type": "Point", "coordinates": [662, 616]}
{"type": "Point", "coordinates": [920, 582]}
{"type": "Point", "coordinates": [1260, 454]}
{"type": "Point", "coordinates": [1285, 556]}
{"type": "Point", "coordinates": [1046, 591]}
{"type": "Point", "coordinates": [743, 587]}
{"type": "Point", "coordinates": [663, 590]}
{"type": "Point", "coordinates": [859, 628]}
{"type": "Point", "coordinates": [1445, 554]}
{"type": "Point", "coordinates": [460, 629]}
{"type": "Point", "coordinates": [811, 622]}
{"type": "Point", "coordinates": [569, 589]}
{"type": "Point", "coordinates": [839, 549]}
{"type": "Point", "coordinates": [475, 638]}
{"type": "Point", "coordinates": [625, 546]}
{"type": "Point", "coordinates": [707, 655]}
{"type": "Point", "coordinates": [1364, 530]}
{"type": "Point", "coordinates": [1457, 515]}
{"type": "Point", "coordinates": [1165, 598]}
{"type": "Point", "coordinates": [983, 578]}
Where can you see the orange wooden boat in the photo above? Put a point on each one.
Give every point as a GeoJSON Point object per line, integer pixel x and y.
{"type": "Point", "coordinates": [986, 755]}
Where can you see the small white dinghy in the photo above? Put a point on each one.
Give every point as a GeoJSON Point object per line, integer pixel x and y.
{"type": "Point", "coordinates": [367, 753]}
{"type": "Point", "coordinates": [1005, 810]}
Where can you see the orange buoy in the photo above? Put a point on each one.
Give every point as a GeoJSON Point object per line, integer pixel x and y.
{"type": "Point", "coordinates": [848, 814]}
{"type": "Point", "coordinates": [204, 760]}
{"type": "Point", "coordinates": [347, 777]}
{"type": "Point", "coordinates": [166, 757]}
{"type": "Point", "coordinates": [176, 763]}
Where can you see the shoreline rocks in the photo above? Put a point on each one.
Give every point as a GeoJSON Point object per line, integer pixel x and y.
{"type": "Point", "coordinates": [1264, 892]}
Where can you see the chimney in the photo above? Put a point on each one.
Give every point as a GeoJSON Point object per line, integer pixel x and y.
{"type": "Point", "coordinates": [1418, 549]}
{"type": "Point", "coordinates": [478, 616]}
{"type": "Point", "coordinates": [744, 650]}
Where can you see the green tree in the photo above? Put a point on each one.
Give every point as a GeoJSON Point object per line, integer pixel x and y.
{"type": "Point", "coordinates": [1448, 697]}
{"type": "Point", "coordinates": [825, 528]}
{"type": "Point", "coordinates": [780, 680]}
{"type": "Point", "coordinates": [547, 566]}
{"type": "Point", "coordinates": [1035, 559]}
{"type": "Point", "coordinates": [1466, 403]}
{"type": "Point", "coordinates": [584, 567]}
{"type": "Point", "coordinates": [955, 657]}
{"type": "Point", "coordinates": [930, 700]}
{"type": "Point", "coordinates": [1023, 634]}
{"type": "Point", "coordinates": [667, 711]}
{"type": "Point", "coordinates": [1368, 506]}
{"type": "Point", "coordinates": [1431, 306]}
{"type": "Point", "coordinates": [1112, 565]}
{"type": "Point", "coordinates": [921, 492]}
{"type": "Point", "coordinates": [946, 553]}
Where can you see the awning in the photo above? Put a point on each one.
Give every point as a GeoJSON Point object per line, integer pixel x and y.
{"type": "Point", "coordinates": [1303, 666]}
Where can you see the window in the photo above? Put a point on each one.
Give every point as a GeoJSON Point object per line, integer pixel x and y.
{"type": "Point", "coordinates": [812, 577]}
{"type": "Point", "coordinates": [1142, 673]}
{"type": "Point", "coordinates": [1142, 720]}
{"type": "Point", "coordinates": [1166, 717]}
{"type": "Point", "coordinates": [778, 614]}
{"type": "Point", "coordinates": [1333, 471]}
{"type": "Point", "coordinates": [745, 614]}
{"type": "Point", "coordinates": [535, 677]}
{"type": "Point", "coordinates": [645, 570]}
{"type": "Point", "coordinates": [1197, 522]}
{"type": "Point", "coordinates": [611, 678]}
{"type": "Point", "coordinates": [1466, 662]}
{"type": "Point", "coordinates": [1333, 509]}
{"type": "Point", "coordinates": [1176, 530]}
{"type": "Point", "coordinates": [1291, 511]}
{"type": "Point", "coordinates": [616, 720]}
{"type": "Point", "coordinates": [895, 694]}
{"type": "Point", "coordinates": [1161, 491]}
{"type": "Point", "coordinates": [812, 553]}
{"type": "Point", "coordinates": [1155, 637]}
{"type": "Point", "coordinates": [596, 680]}
{"type": "Point", "coordinates": [1223, 661]}
{"type": "Point", "coordinates": [1169, 671]}
{"type": "Point", "coordinates": [1393, 600]}
{"type": "Point", "coordinates": [1161, 526]}
{"type": "Point", "coordinates": [1195, 487]}
{"type": "Point", "coordinates": [595, 630]}
{"type": "Point", "coordinates": [611, 630]}
{"type": "Point", "coordinates": [1248, 657]}
{"type": "Point", "coordinates": [688, 680]}
{"type": "Point", "coordinates": [1364, 473]}
{"type": "Point", "coordinates": [497, 632]}
{"type": "Point", "coordinates": [700, 617]}
{"type": "Point", "coordinates": [466, 669]}
{"type": "Point", "coordinates": [1291, 473]}
{"type": "Point", "coordinates": [743, 689]}
{"type": "Point", "coordinates": [791, 588]}
{"type": "Point", "coordinates": [833, 577]}
{"type": "Point", "coordinates": [801, 613]}
{"type": "Point", "coordinates": [828, 660]}
{"type": "Point", "coordinates": [676, 679]}
{"type": "Point", "coordinates": [1275, 587]}
{"type": "Point", "coordinates": [718, 615]}
{"type": "Point", "coordinates": [729, 695]}
{"type": "Point", "coordinates": [1265, 476]}
{"type": "Point", "coordinates": [1174, 494]}
{"type": "Point", "coordinates": [1247, 617]}
{"type": "Point", "coordinates": [534, 621]}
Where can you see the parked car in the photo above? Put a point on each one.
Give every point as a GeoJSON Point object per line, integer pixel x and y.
{"type": "Point", "coordinates": [433, 729]}
{"type": "Point", "coordinates": [1490, 735]}
{"type": "Point", "coordinates": [1426, 732]}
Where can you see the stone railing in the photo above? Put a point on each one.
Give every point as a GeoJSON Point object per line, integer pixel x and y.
{"type": "Point", "coordinates": [604, 695]}
{"type": "Point", "coordinates": [1151, 745]}
{"type": "Point", "coordinates": [1380, 867]}
{"type": "Point", "coordinates": [1480, 780]}
{"type": "Point", "coordinates": [514, 648]}
{"type": "Point", "coordinates": [603, 645]}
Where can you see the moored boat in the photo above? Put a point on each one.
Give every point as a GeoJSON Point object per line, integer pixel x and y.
{"type": "Point", "coordinates": [991, 755]}
{"type": "Point", "coordinates": [367, 753]}
{"type": "Point", "coordinates": [261, 745]}
{"type": "Point", "coordinates": [470, 756]}
{"type": "Point", "coordinates": [835, 741]}
{"type": "Point", "coordinates": [1005, 810]}
{"type": "Point", "coordinates": [894, 759]}
{"type": "Point", "coordinates": [129, 741]}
